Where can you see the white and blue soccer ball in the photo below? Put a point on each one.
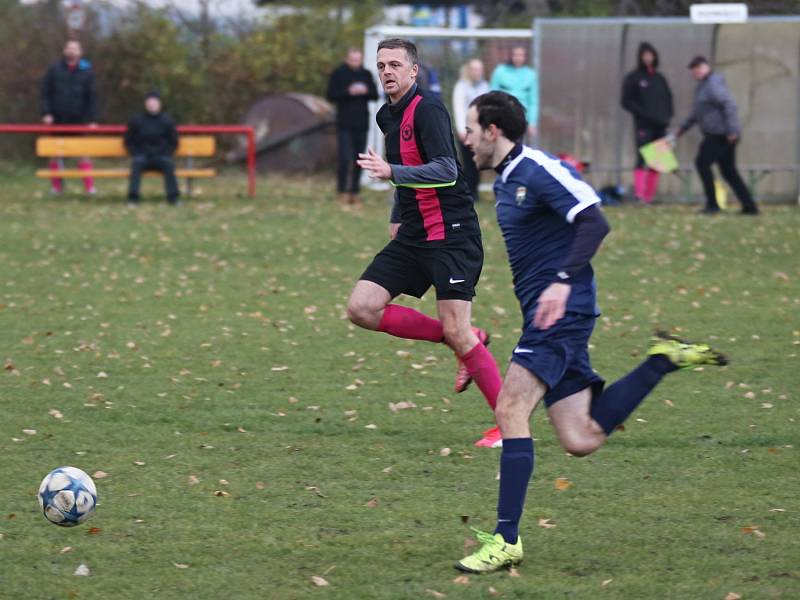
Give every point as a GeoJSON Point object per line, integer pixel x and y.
{"type": "Point", "coordinates": [67, 496]}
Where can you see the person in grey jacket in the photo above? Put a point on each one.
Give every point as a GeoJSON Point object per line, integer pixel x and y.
{"type": "Point", "coordinates": [714, 111]}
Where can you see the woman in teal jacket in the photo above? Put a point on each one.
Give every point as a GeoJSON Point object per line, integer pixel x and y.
{"type": "Point", "coordinates": [518, 79]}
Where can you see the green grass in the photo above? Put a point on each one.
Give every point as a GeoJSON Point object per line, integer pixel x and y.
{"type": "Point", "coordinates": [210, 341]}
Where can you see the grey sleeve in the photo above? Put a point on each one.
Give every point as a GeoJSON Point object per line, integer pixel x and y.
{"type": "Point", "coordinates": [441, 171]}
{"type": "Point", "coordinates": [395, 217]}
{"type": "Point", "coordinates": [723, 96]}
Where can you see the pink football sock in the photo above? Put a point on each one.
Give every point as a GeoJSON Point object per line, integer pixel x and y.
{"type": "Point", "coordinates": [482, 367]}
{"type": "Point", "coordinates": [88, 182]}
{"type": "Point", "coordinates": [404, 322]}
{"type": "Point", "coordinates": [56, 183]}
{"type": "Point", "coordinates": [639, 183]}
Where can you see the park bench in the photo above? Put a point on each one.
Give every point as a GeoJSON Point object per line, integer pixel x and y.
{"type": "Point", "coordinates": [112, 146]}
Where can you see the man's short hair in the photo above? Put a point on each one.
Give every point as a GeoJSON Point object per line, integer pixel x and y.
{"type": "Point", "coordinates": [407, 45]}
{"type": "Point", "coordinates": [697, 61]}
{"type": "Point", "coordinates": [503, 111]}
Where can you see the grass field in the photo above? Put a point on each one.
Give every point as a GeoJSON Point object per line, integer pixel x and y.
{"type": "Point", "coordinates": [194, 351]}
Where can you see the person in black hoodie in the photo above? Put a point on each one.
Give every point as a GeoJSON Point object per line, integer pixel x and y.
{"type": "Point", "coordinates": [68, 97]}
{"type": "Point", "coordinates": [646, 95]}
{"type": "Point", "coordinates": [151, 139]}
{"type": "Point", "coordinates": [350, 88]}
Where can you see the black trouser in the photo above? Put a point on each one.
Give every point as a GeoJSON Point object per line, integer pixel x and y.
{"type": "Point", "coordinates": [645, 135]}
{"type": "Point", "coordinates": [351, 143]}
{"type": "Point", "coordinates": [164, 164]}
{"type": "Point", "coordinates": [471, 173]}
{"type": "Point", "coordinates": [717, 149]}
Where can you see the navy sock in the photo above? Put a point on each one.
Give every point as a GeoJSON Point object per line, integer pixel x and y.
{"type": "Point", "coordinates": [516, 469]}
{"type": "Point", "coordinates": [621, 398]}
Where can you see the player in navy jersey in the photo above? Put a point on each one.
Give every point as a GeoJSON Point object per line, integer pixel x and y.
{"type": "Point", "coordinates": [436, 239]}
{"type": "Point", "coordinates": [552, 226]}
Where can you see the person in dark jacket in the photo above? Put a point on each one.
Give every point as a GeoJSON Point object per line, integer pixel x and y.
{"type": "Point", "coordinates": [714, 111]}
{"type": "Point", "coordinates": [350, 88]}
{"type": "Point", "coordinates": [68, 97]}
{"type": "Point", "coordinates": [646, 95]}
{"type": "Point", "coordinates": [151, 139]}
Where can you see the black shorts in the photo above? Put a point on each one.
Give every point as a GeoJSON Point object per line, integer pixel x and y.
{"type": "Point", "coordinates": [453, 269]}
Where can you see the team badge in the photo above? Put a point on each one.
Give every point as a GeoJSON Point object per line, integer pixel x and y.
{"type": "Point", "coordinates": [407, 133]}
{"type": "Point", "coordinates": [521, 193]}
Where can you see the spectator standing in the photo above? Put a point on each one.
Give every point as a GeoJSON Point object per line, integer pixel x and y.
{"type": "Point", "coordinates": [69, 98]}
{"type": "Point", "coordinates": [151, 139]}
{"type": "Point", "coordinates": [350, 88]}
{"type": "Point", "coordinates": [517, 78]}
{"type": "Point", "coordinates": [714, 111]}
{"type": "Point", "coordinates": [646, 95]}
{"type": "Point", "coordinates": [470, 85]}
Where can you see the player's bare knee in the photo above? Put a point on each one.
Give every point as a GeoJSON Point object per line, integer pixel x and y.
{"type": "Point", "coordinates": [580, 447]}
{"type": "Point", "coordinates": [361, 313]}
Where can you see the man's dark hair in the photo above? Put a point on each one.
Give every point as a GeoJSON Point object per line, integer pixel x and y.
{"type": "Point", "coordinates": [503, 111]}
{"type": "Point", "coordinates": [697, 61]}
{"type": "Point", "coordinates": [407, 45]}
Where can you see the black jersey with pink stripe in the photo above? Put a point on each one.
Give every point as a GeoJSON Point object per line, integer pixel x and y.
{"type": "Point", "coordinates": [433, 199]}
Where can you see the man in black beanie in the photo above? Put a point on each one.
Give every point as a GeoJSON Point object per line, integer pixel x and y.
{"type": "Point", "coordinates": [151, 140]}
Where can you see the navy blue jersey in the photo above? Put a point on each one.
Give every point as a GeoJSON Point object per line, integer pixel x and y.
{"type": "Point", "coordinates": [538, 197]}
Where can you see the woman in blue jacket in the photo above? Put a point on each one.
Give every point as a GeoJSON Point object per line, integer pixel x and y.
{"type": "Point", "coordinates": [521, 81]}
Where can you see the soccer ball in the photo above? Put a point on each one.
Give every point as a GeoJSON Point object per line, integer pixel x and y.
{"type": "Point", "coordinates": [67, 496]}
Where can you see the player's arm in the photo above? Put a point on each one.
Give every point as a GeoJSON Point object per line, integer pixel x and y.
{"type": "Point", "coordinates": [590, 229]}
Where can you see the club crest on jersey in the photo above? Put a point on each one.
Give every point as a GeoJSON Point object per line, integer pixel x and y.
{"type": "Point", "coordinates": [407, 133]}
{"type": "Point", "coordinates": [522, 191]}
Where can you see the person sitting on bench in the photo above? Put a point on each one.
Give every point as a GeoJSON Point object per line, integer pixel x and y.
{"type": "Point", "coordinates": [151, 139]}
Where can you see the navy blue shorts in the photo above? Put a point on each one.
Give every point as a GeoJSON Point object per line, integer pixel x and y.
{"type": "Point", "coordinates": [559, 356]}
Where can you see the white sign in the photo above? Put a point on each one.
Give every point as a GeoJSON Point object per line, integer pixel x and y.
{"type": "Point", "coordinates": [718, 13]}
{"type": "Point", "coordinates": [76, 15]}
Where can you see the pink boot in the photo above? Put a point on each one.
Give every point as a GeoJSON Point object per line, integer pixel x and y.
{"type": "Point", "coordinates": [651, 185]}
{"type": "Point", "coordinates": [88, 182]}
{"type": "Point", "coordinates": [639, 183]}
{"type": "Point", "coordinates": [56, 183]}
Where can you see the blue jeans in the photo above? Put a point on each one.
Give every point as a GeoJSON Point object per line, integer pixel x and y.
{"type": "Point", "coordinates": [164, 164]}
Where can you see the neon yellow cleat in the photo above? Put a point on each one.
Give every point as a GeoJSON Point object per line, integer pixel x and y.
{"type": "Point", "coordinates": [682, 354]}
{"type": "Point", "coordinates": [493, 555]}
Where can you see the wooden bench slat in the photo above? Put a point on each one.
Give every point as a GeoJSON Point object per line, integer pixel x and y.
{"type": "Point", "coordinates": [106, 146]}
{"type": "Point", "coordinates": [118, 173]}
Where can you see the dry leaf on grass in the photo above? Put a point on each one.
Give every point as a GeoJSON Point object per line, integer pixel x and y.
{"type": "Point", "coordinates": [66, 549]}
{"type": "Point", "coordinates": [733, 596]}
{"type": "Point", "coordinates": [181, 565]}
{"type": "Point", "coordinates": [99, 474]}
{"type": "Point", "coordinates": [315, 489]}
{"type": "Point", "coordinates": [755, 530]}
{"type": "Point", "coordinates": [461, 580]}
{"type": "Point", "coordinates": [434, 593]}
{"type": "Point", "coordinates": [512, 572]}
{"type": "Point", "coordinates": [82, 571]}
{"type": "Point", "coordinates": [606, 582]}
{"type": "Point", "coordinates": [260, 485]}
{"type": "Point", "coordinates": [562, 483]}
{"type": "Point", "coordinates": [546, 523]}
{"type": "Point", "coordinates": [221, 493]}
{"type": "Point", "coordinates": [319, 581]}
{"type": "Point", "coordinates": [444, 452]}
{"type": "Point", "coordinates": [192, 480]}
{"type": "Point", "coordinates": [372, 503]}
{"type": "Point", "coordinates": [93, 530]}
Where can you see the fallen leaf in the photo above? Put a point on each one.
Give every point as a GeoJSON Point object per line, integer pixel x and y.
{"type": "Point", "coordinates": [29, 431]}
{"type": "Point", "coordinates": [99, 475]}
{"type": "Point", "coordinates": [181, 565]}
{"type": "Point", "coordinates": [562, 483]}
{"type": "Point", "coordinates": [315, 489]}
{"type": "Point", "coordinates": [55, 413]}
{"type": "Point", "coordinates": [733, 596]}
{"type": "Point", "coordinates": [387, 470]}
{"type": "Point", "coordinates": [606, 582]}
{"type": "Point", "coordinates": [224, 482]}
{"type": "Point", "coordinates": [221, 493]}
{"type": "Point", "coordinates": [546, 523]}
{"type": "Point", "coordinates": [669, 403]}
{"type": "Point", "coordinates": [512, 572]}
{"type": "Point", "coordinates": [397, 406]}
{"type": "Point", "coordinates": [370, 426]}
{"type": "Point", "coordinates": [66, 549]}
{"type": "Point", "coordinates": [434, 593]}
{"type": "Point", "coordinates": [192, 480]}
{"type": "Point", "coordinates": [139, 463]}
{"type": "Point", "coordinates": [82, 571]}
{"type": "Point", "coordinates": [260, 485]}
{"type": "Point", "coordinates": [493, 592]}
{"type": "Point", "coordinates": [372, 503]}
{"type": "Point", "coordinates": [444, 452]}
{"type": "Point", "coordinates": [93, 530]}
{"type": "Point", "coordinates": [755, 530]}
{"type": "Point", "coordinates": [461, 580]}
{"type": "Point", "coordinates": [319, 581]}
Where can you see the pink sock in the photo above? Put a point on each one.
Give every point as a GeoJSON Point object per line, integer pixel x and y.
{"type": "Point", "coordinates": [404, 322]}
{"type": "Point", "coordinates": [651, 185]}
{"type": "Point", "coordinates": [88, 182]}
{"type": "Point", "coordinates": [639, 183]}
{"type": "Point", "coordinates": [483, 369]}
{"type": "Point", "coordinates": [56, 183]}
